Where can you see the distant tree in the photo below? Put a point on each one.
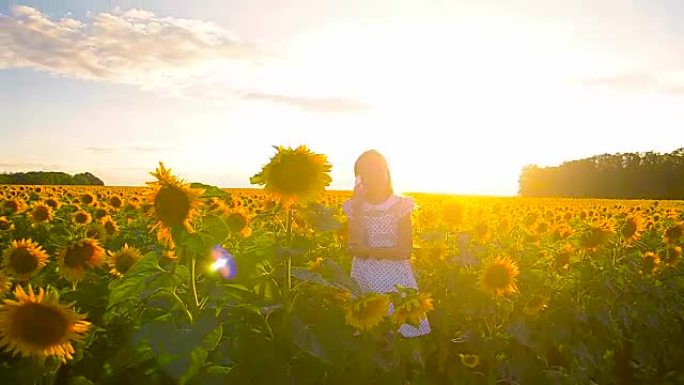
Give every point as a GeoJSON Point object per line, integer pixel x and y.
{"type": "Point", "coordinates": [648, 175]}
{"type": "Point", "coordinates": [87, 178]}
{"type": "Point", "coordinates": [50, 178]}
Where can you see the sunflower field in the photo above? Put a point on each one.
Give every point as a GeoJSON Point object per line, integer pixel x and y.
{"type": "Point", "coordinates": [185, 283]}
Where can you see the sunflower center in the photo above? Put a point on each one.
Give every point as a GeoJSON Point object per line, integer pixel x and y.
{"type": "Point", "coordinates": [172, 206]}
{"type": "Point", "coordinates": [124, 262]}
{"type": "Point", "coordinates": [629, 230]}
{"type": "Point", "coordinates": [4, 224]}
{"type": "Point", "coordinates": [23, 261]}
{"type": "Point", "coordinates": [41, 214]}
{"type": "Point", "coordinates": [81, 217]}
{"type": "Point", "coordinates": [296, 176]}
{"type": "Point", "coordinates": [497, 276]}
{"type": "Point", "coordinates": [236, 222]}
{"type": "Point", "coordinates": [110, 227]}
{"type": "Point", "coordinates": [78, 255]}
{"type": "Point", "coordinates": [115, 202]}
{"type": "Point", "coordinates": [12, 206]}
{"type": "Point", "coordinates": [40, 325]}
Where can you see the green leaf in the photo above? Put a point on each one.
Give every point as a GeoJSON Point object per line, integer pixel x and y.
{"type": "Point", "coordinates": [305, 339]}
{"type": "Point", "coordinates": [80, 380]}
{"type": "Point", "coordinates": [214, 230]}
{"type": "Point", "coordinates": [144, 274]}
{"type": "Point", "coordinates": [339, 276]}
{"type": "Point", "coordinates": [321, 218]}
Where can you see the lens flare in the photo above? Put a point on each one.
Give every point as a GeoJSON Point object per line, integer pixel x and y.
{"type": "Point", "coordinates": [224, 263]}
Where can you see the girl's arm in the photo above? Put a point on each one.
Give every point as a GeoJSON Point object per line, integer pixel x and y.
{"type": "Point", "coordinates": [357, 239]}
{"type": "Point", "coordinates": [401, 251]}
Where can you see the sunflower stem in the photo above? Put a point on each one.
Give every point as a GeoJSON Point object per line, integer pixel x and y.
{"type": "Point", "coordinates": [194, 284]}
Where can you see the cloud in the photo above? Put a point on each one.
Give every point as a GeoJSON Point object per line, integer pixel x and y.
{"type": "Point", "coordinates": [666, 82]}
{"type": "Point", "coordinates": [170, 56]}
{"type": "Point", "coordinates": [28, 166]}
{"type": "Point", "coordinates": [319, 104]}
{"type": "Point", "coordinates": [137, 148]}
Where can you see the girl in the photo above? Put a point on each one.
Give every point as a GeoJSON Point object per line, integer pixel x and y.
{"type": "Point", "coordinates": [380, 233]}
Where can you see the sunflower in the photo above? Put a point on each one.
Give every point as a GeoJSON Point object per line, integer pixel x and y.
{"type": "Point", "coordinates": [469, 360]}
{"type": "Point", "coordinates": [596, 235]}
{"type": "Point", "coordinates": [5, 284]}
{"type": "Point", "coordinates": [413, 310]}
{"type": "Point", "coordinates": [237, 220]}
{"type": "Point", "coordinates": [367, 311]}
{"type": "Point", "coordinates": [500, 276]}
{"type": "Point", "coordinates": [13, 206]}
{"type": "Point", "coordinates": [40, 326]}
{"type": "Point", "coordinates": [100, 213]}
{"type": "Point", "coordinates": [24, 258]}
{"type": "Point", "coordinates": [121, 261]}
{"type": "Point", "coordinates": [53, 203]}
{"type": "Point", "coordinates": [632, 228]}
{"type": "Point", "coordinates": [109, 225]}
{"type": "Point", "coordinates": [40, 213]}
{"type": "Point", "coordinates": [88, 199]}
{"type": "Point", "coordinates": [674, 233]}
{"type": "Point", "coordinates": [116, 202]}
{"type": "Point", "coordinates": [453, 214]}
{"type": "Point", "coordinates": [650, 262]}
{"type": "Point", "coordinates": [5, 224]}
{"type": "Point", "coordinates": [80, 256]}
{"type": "Point", "coordinates": [82, 217]}
{"type": "Point", "coordinates": [294, 175]}
{"type": "Point", "coordinates": [175, 204]}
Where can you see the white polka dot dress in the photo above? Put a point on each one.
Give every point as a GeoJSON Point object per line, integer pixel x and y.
{"type": "Point", "coordinates": [381, 223]}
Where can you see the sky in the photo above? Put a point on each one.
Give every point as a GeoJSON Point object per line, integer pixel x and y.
{"type": "Point", "coordinates": [458, 95]}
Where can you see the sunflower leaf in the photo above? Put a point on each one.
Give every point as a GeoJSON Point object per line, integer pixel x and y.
{"type": "Point", "coordinates": [304, 338]}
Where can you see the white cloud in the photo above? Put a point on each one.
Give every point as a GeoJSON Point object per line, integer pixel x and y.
{"type": "Point", "coordinates": [171, 56]}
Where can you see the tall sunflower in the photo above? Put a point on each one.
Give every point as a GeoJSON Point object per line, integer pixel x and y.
{"type": "Point", "coordinates": [632, 228]}
{"type": "Point", "coordinates": [40, 213]}
{"type": "Point", "coordinates": [500, 276]}
{"type": "Point", "coordinates": [121, 261]}
{"type": "Point", "coordinates": [367, 311]}
{"type": "Point", "coordinates": [413, 309]}
{"type": "Point", "coordinates": [23, 259]}
{"type": "Point", "coordinates": [175, 204]}
{"type": "Point", "coordinates": [80, 256]}
{"type": "Point", "coordinates": [294, 175]}
{"type": "Point", "coordinates": [40, 326]}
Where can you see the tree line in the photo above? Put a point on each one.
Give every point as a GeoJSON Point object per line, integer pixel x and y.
{"type": "Point", "coordinates": [50, 178]}
{"type": "Point", "coordinates": [649, 175]}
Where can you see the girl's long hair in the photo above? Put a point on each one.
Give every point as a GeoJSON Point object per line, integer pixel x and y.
{"type": "Point", "coordinates": [374, 154]}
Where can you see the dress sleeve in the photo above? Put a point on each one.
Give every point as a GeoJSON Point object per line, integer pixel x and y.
{"type": "Point", "coordinates": [406, 206]}
{"type": "Point", "coordinates": [347, 208]}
